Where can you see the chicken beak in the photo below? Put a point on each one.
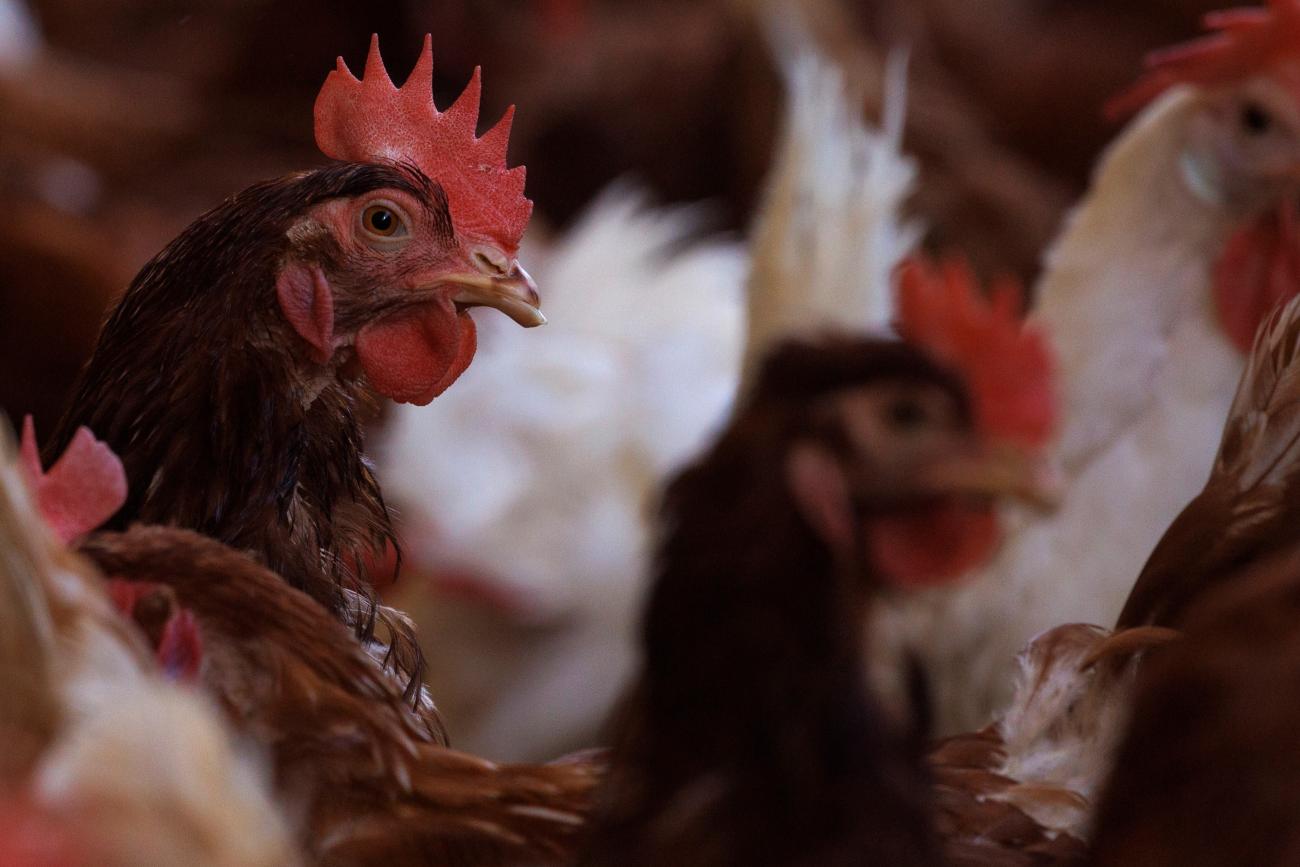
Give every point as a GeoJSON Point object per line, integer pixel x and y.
{"type": "Point", "coordinates": [996, 473]}
{"type": "Point", "coordinates": [514, 294]}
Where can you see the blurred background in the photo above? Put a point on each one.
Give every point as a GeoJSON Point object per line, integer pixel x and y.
{"type": "Point", "coordinates": [122, 120]}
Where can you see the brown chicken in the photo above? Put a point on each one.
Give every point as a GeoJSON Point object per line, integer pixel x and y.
{"type": "Point", "coordinates": [856, 469]}
{"type": "Point", "coordinates": [231, 376]}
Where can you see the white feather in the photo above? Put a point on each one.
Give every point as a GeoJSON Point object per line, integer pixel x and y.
{"type": "Point", "coordinates": [828, 235]}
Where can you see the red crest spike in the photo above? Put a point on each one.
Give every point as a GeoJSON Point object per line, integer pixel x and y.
{"type": "Point", "coordinates": [1008, 367]}
{"type": "Point", "coordinates": [372, 120]}
{"type": "Point", "coordinates": [1244, 43]}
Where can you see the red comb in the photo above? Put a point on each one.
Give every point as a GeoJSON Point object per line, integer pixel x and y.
{"type": "Point", "coordinates": [1247, 42]}
{"type": "Point", "coordinates": [372, 120]}
{"type": "Point", "coordinates": [1009, 368]}
{"type": "Point", "coordinates": [83, 489]}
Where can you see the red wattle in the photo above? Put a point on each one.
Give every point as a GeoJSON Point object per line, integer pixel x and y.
{"type": "Point", "coordinates": [415, 355]}
{"type": "Point", "coordinates": [1259, 269]}
{"type": "Point", "coordinates": [932, 546]}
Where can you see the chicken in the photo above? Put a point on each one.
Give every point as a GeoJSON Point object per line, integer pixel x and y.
{"type": "Point", "coordinates": [531, 620]}
{"type": "Point", "coordinates": [106, 763]}
{"type": "Point", "coordinates": [231, 375]}
{"type": "Point", "coordinates": [524, 533]}
{"type": "Point", "coordinates": [1052, 750]}
{"type": "Point", "coordinates": [1152, 295]}
{"type": "Point", "coordinates": [749, 736]}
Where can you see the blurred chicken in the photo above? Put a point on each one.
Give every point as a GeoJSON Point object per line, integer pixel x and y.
{"type": "Point", "coordinates": [529, 519]}
{"type": "Point", "coordinates": [1056, 744]}
{"type": "Point", "coordinates": [856, 468]}
{"type": "Point", "coordinates": [1152, 294]}
{"type": "Point", "coordinates": [105, 763]}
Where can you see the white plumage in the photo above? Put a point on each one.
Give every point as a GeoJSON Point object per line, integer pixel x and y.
{"type": "Point", "coordinates": [1147, 375]}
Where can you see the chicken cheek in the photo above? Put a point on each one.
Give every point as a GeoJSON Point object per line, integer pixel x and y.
{"type": "Point", "coordinates": [932, 546]}
{"type": "Point", "coordinates": [415, 355]}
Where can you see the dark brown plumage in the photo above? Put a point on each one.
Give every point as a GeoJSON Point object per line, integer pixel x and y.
{"type": "Point", "coordinates": [749, 737]}
{"type": "Point", "coordinates": [1209, 772]}
{"type": "Point", "coordinates": [375, 786]}
{"type": "Point", "coordinates": [222, 422]}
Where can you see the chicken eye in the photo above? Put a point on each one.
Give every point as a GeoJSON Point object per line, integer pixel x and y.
{"type": "Point", "coordinates": [382, 221]}
{"type": "Point", "coordinates": [906, 414]}
{"type": "Point", "coordinates": [1255, 119]}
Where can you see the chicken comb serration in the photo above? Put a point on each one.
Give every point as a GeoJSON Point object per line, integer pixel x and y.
{"type": "Point", "coordinates": [1009, 368]}
{"type": "Point", "coordinates": [1246, 42]}
{"type": "Point", "coordinates": [84, 488]}
{"type": "Point", "coordinates": [373, 120]}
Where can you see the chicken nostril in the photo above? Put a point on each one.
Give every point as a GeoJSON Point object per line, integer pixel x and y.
{"type": "Point", "coordinates": [488, 265]}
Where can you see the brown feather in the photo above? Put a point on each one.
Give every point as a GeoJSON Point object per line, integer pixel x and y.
{"type": "Point", "coordinates": [1209, 772]}
{"type": "Point", "coordinates": [376, 784]}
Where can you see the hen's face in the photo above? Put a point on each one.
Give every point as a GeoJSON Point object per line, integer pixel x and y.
{"type": "Point", "coordinates": [388, 273]}
{"type": "Point", "coordinates": [900, 466]}
{"type": "Point", "coordinates": [1243, 143]}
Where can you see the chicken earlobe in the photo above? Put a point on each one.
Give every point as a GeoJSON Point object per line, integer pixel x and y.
{"type": "Point", "coordinates": [307, 302]}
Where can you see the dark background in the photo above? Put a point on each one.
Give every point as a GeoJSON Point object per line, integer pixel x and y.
{"type": "Point", "coordinates": [131, 118]}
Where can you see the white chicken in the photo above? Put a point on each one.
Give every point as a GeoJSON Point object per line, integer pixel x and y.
{"type": "Point", "coordinates": [1152, 294]}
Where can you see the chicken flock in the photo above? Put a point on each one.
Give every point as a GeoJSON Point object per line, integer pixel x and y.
{"type": "Point", "coordinates": [811, 551]}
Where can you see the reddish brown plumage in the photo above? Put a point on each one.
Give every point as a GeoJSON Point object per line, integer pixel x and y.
{"type": "Point", "coordinates": [201, 388]}
{"type": "Point", "coordinates": [376, 785]}
{"type": "Point", "coordinates": [1209, 772]}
